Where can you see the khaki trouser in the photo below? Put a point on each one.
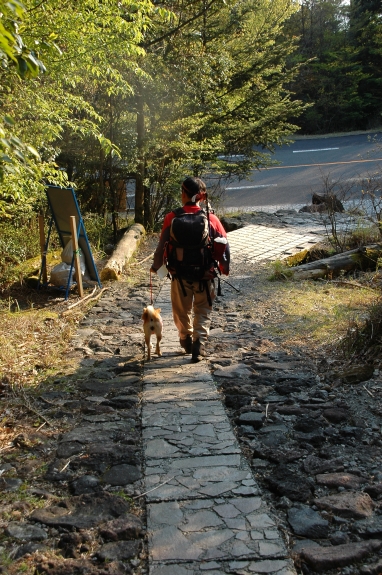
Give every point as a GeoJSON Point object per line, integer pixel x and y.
{"type": "Point", "coordinates": [194, 303]}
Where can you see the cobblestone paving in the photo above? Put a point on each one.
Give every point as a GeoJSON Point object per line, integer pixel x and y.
{"type": "Point", "coordinates": [205, 512]}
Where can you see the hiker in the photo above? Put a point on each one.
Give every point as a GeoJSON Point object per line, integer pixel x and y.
{"type": "Point", "coordinates": [192, 267]}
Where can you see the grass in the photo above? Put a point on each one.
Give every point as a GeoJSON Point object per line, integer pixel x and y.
{"type": "Point", "coordinates": [32, 345]}
{"type": "Point", "coordinates": [319, 313]}
{"type": "Point", "coordinates": [280, 271]}
{"type": "Point", "coordinates": [309, 314]}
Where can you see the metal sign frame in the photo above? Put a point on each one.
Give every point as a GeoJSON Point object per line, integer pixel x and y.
{"type": "Point", "coordinates": [63, 204]}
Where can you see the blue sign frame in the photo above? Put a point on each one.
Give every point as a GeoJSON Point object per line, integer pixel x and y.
{"type": "Point", "coordinates": [63, 204]}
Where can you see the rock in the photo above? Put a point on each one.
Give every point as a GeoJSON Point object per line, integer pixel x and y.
{"type": "Point", "coordinates": [278, 455]}
{"type": "Point", "coordinates": [126, 527]}
{"type": "Point", "coordinates": [316, 438]}
{"type": "Point", "coordinates": [339, 538]}
{"type": "Point", "coordinates": [351, 431]}
{"type": "Point", "coordinates": [69, 448]}
{"type": "Point", "coordinates": [252, 418]}
{"type": "Point", "coordinates": [308, 523]}
{"type": "Point", "coordinates": [83, 512]}
{"type": "Point", "coordinates": [246, 430]}
{"type": "Point", "coordinates": [325, 558]}
{"type": "Point", "coordinates": [25, 531]}
{"type": "Point", "coordinates": [85, 484]}
{"type": "Point", "coordinates": [234, 371]}
{"type": "Point", "coordinates": [339, 480]}
{"type": "Point", "coordinates": [259, 463]}
{"type": "Point", "coordinates": [329, 201]}
{"type": "Point", "coordinates": [375, 491]}
{"type": "Point", "coordinates": [29, 548]}
{"type": "Point", "coordinates": [284, 482]}
{"type": "Point", "coordinates": [369, 528]}
{"type": "Point", "coordinates": [119, 550]}
{"type": "Point", "coordinates": [237, 401]}
{"type": "Point", "coordinates": [372, 569]}
{"type": "Point", "coordinates": [284, 503]}
{"type": "Point", "coordinates": [123, 401]}
{"type": "Point", "coordinates": [122, 475]}
{"type": "Point", "coordinates": [308, 425]}
{"type": "Point", "coordinates": [335, 415]}
{"type": "Point", "coordinates": [231, 224]}
{"type": "Point", "coordinates": [355, 374]}
{"type": "Point", "coordinates": [349, 504]}
{"type": "Point", "coordinates": [314, 465]}
{"type": "Point", "coordinates": [10, 483]}
{"type": "Point", "coordinates": [302, 544]}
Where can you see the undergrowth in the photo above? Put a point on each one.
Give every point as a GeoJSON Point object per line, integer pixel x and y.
{"type": "Point", "coordinates": [315, 314]}
{"type": "Point", "coordinates": [32, 345]}
{"type": "Point", "coordinates": [364, 339]}
{"type": "Point", "coordinates": [20, 245]}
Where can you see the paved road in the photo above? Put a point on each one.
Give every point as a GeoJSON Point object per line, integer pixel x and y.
{"type": "Point", "coordinates": [302, 167]}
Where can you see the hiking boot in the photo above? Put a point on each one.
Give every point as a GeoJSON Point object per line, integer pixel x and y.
{"type": "Point", "coordinates": [186, 343]}
{"type": "Point", "coordinates": [198, 351]}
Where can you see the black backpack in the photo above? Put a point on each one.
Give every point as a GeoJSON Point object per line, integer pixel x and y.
{"type": "Point", "coordinates": [189, 253]}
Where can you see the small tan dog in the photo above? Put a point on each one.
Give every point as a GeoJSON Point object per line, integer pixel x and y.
{"type": "Point", "coordinates": [152, 324]}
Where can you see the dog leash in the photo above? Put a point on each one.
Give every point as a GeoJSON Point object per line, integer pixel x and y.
{"type": "Point", "coordinates": [151, 287]}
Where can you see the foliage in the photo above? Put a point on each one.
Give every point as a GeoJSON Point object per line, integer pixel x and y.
{"type": "Point", "coordinates": [19, 241]}
{"type": "Point", "coordinates": [341, 45]}
{"type": "Point", "coordinates": [366, 37]}
{"type": "Point", "coordinates": [20, 245]}
{"type": "Point", "coordinates": [97, 230]}
{"type": "Point", "coordinates": [81, 44]}
{"type": "Point", "coordinates": [363, 338]}
{"type": "Point", "coordinates": [280, 271]}
{"type": "Point", "coordinates": [361, 222]}
{"type": "Point", "coordinates": [16, 55]}
{"type": "Point", "coordinates": [215, 92]}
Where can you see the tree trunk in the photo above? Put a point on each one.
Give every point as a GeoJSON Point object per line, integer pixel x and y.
{"type": "Point", "coordinates": [123, 252]}
{"type": "Point", "coordinates": [360, 258]}
{"type": "Point", "coordinates": [139, 179]}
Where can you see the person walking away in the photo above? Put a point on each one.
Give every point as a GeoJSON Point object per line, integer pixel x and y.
{"type": "Point", "coordinates": [194, 247]}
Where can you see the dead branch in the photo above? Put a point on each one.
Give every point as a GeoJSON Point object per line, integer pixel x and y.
{"type": "Point", "coordinates": [352, 284]}
{"type": "Point", "coordinates": [142, 261]}
{"type": "Point", "coordinates": [86, 299]}
{"type": "Point", "coordinates": [25, 402]}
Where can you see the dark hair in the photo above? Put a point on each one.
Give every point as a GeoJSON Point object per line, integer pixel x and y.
{"type": "Point", "coordinates": [193, 186]}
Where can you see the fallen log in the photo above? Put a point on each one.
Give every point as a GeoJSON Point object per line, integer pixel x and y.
{"type": "Point", "coordinates": [121, 255]}
{"type": "Point", "coordinates": [361, 258]}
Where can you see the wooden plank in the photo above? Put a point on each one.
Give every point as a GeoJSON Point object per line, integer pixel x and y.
{"type": "Point", "coordinates": [77, 263]}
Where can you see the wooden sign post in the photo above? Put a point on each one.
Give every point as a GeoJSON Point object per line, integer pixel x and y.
{"type": "Point", "coordinates": [76, 253]}
{"type": "Point", "coordinates": [42, 248]}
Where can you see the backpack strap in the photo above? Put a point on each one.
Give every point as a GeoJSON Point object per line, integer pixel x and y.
{"type": "Point", "coordinates": [181, 211]}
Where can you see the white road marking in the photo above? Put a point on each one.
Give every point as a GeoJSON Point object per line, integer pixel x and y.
{"type": "Point", "coordinates": [318, 150]}
{"type": "Point", "coordinates": [253, 187]}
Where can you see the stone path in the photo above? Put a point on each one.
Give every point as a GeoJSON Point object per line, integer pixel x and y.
{"type": "Point", "coordinates": [205, 513]}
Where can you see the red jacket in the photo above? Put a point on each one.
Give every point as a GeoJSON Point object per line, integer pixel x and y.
{"type": "Point", "coordinates": [216, 230]}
